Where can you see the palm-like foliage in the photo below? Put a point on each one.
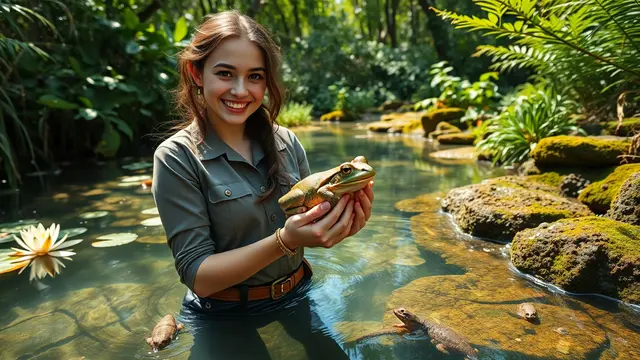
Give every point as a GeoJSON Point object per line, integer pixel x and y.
{"type": "Point", "coordinates": [519, 128]}
{"type": "Point", "coordinates": [591, 46]}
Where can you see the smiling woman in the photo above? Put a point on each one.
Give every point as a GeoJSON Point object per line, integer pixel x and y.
{"type": "Point", "coordinates": [216, 184]}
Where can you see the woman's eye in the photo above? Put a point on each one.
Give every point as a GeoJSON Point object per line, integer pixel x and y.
{"type": "Point", "coordinates": [224, 73]}
{"type": "Point", "coordinates": [255, 76]}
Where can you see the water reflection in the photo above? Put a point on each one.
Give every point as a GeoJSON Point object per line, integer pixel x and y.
{"type": "Point", "coordinates": [106, 301]}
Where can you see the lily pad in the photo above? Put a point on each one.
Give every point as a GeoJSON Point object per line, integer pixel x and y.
{"type": "Point", "coordinates": [151, 211]}
{"type": "Point", "coordinates": [72, 232]}
{"type": "Point", "coordinates": [138, 165]}
{"type": "Point", "coordinates": [115, 239]}
{"type": "Point", "coordinates": [5, 238]}
{"type": "Point", "coordinates": [135, 178]}
{"type": "Point", "coordinates": [93, 214]}
{"type": "Point", "coordinates": [128, 184]}
{"type": "Point", "coordinates": [154, 221]}
{"type": "Point", "coordinates": [15, 227]}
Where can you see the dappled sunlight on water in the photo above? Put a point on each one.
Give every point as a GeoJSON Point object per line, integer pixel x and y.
{"type": "Point", "coordinates": [105, 302]}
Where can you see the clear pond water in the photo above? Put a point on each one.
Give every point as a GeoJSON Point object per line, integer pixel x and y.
{"type": "Point", "coordinates": [105, 302]}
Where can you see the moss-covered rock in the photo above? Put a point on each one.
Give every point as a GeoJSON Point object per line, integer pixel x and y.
{"type": "Point", "coordinates": [579, 151]}
{"type": "Point", "coordinates": [339, 115]}
{"type": "Point", "coordinates": [390, 116]}
{"type": "Point", "coordinates": [499, 208]}
{"type": "Point", "coordinates": [390, 105]}
{"type": "Point", "coordinates": [456, 139]}
{"type": "Point", "coordinates": [583, 255]}
{"type": "Point", "coordinates": [442, 128]}
{"type": "Point", "coordinates": [431, 119]}
{"type": "Point", "coordinates": [573, 184]}
{"type": "Point", "coordinates": [396, 123]}
{"type": "Point", "coordinates": [628, 127]}
{"type": "Point", "coordinates": [625, 206]}
{"type": "Point", "coordinates": [599, 195]}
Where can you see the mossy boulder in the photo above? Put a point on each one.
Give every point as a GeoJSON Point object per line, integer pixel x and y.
{"type": "Point", "coordinates": [396, 123]}
{"type": "Point", "coordinates": [390, 105]}
{"type": "Point", "coordinates": [579, 151]}
{"type": "Point", "coordinates": [628, 127]}
{"type": "Point", "coordinates": [599, 195]}
{"type": "Point", "coordinates": [499, 208]}
{"type": "Point", "coordinates": [442, 128]}
{"type": "Point", "coordinates": [339, 115]}
{"type": "Point", "coordinates": [456, 139]}
{"type": "Point", "coordinates": [583, 255]}
{"type": "Point", "coordinates": [625, 206]}
{"type": "Point", "coordinates": [431, 119]}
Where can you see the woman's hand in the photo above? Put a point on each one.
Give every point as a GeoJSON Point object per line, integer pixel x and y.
{"type": "Point", "coordinates": [300, 230]}
{"type": "Point", "coordinates": [362, 208]}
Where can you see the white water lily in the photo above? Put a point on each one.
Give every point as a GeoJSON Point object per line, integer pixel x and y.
{"type": "Point", "coordinates": [41, 249]}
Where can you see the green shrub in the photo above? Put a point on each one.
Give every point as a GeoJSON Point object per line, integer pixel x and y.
{"type": "Point", "coordinates": [294, 114]}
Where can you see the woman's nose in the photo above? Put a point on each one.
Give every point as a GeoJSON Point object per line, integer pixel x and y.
{"type": "Point", "coordinates": [239, 89]}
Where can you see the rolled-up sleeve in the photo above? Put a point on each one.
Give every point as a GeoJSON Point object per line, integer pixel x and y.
{"type": "Point", "coordinates": [183, 211]}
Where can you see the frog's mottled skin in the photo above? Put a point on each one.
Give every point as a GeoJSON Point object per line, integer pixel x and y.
{"type": "Point", "coordinates": [445, 339]}
{"type": "Point", "coordinates": [163, 332]}
{"type": "Point", "coordinates": [327, 185]}
{"type": "Point", "coordinates": [527, 311]}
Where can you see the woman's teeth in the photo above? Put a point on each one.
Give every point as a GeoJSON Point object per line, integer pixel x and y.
{"type": "Point", "coordinates": [235, 105]}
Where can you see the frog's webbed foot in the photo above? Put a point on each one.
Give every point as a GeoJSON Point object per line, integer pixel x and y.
{"type": "Point", "coordinates": [442, 348]}
{"type": "Point", "coordinates": [149, 341]}
{"type": "Point", "coordinates": [180, 327]}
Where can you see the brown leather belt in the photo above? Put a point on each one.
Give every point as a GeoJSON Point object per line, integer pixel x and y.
{"type": "Point", "coordinates": [275, 290]}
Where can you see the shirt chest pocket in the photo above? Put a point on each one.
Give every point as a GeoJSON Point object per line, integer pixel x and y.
{"type": "Point", "coordinates": [229, 205]}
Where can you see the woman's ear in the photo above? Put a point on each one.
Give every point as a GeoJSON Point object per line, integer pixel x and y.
{"type": "Point", "coordinates": [195, 73]}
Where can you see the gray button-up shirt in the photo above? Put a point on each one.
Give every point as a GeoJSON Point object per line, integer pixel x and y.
{"type": "Point", "coordinates": [206, 195]}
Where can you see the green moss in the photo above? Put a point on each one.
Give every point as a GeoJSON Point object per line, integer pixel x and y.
{"type": "Point", "coordinates": [410, 127]}
{"type": "Point", "coordinates": [628, 127]}
{"type": "Point", "coordinates": [623, 238]}
{"type": "Point", "coordinates": [456, 139]}
{"type": "Point", "coordinates": [550, 178]}
{"type": "Point", "coordinates": [445, 126]}
{"type": "Point", "coordinates": [431, 119]}
{"type": "Point", "coordinates": [578, 150]}
{"type": "Point", "coordinates": [338, 115]}
{"type": "Point", "coordinates": [599, 195]}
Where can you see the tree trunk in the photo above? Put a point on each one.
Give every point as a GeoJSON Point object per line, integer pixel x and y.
{"type": "Point", "coordinates": [414, 23]}
{"type": "Point", "coordinates": [390, 10]}
{"type": "Point", "coordinates": [203, 8]}
{"type": "Point", "coordinates": [283, 18]}
{"type": "Point", "coordinates": [439, 33]}
{"type": "Point", "coordinates": [296, 17]}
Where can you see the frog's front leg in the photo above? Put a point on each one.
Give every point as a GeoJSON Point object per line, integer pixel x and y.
{"type": "Point", "coordinates": [293, 202]}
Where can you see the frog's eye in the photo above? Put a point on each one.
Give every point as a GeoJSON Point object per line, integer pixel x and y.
{"type": "Point", "coordinates": [346, 170]}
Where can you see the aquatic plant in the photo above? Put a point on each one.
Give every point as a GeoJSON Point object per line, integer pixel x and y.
{"type": "Point", "coordinates": [41, 249]}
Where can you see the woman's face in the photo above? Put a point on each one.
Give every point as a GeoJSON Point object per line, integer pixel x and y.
{"type": "Point", "coordinates": [233, 81]}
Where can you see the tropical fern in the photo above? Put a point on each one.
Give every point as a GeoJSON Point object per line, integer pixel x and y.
{"type": "Point", "coordinates": [591, 46]}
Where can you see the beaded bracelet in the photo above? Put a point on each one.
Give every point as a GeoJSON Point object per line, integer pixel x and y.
{"type": "Point", "coordinates": [283, 247]}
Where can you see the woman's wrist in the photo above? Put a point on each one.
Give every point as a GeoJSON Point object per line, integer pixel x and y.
{"type": "Point", "coordinates": [288, 240]}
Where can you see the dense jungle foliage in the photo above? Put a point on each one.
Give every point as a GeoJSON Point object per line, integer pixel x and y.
{"type": "Point", "coordinates": [93, 78]}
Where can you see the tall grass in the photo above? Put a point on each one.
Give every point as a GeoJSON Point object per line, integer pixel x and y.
{"type": "Point", "coordinates": [294, 114]}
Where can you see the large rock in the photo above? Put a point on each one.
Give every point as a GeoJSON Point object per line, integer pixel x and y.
{"type": "Point", "coordinates": [579, 151]}
{"type": "Point", "coordinates": [599, 195]}
{"type": "Point", "coordinates": [626, 205]}
{"type": "Point", "coordinates": [499, 208]}
{"type": "Point", "coordinates": [431, 119]}
{"type": "Point", "coordinates": [584, 255]}
{"type": "Point", "coordinates": [339, 115]}
{"type": "Point", "coordinates": [456, 139]}
{"type": "Point", "coordinates": [442, 128]}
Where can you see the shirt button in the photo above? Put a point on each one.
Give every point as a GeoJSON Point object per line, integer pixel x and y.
{"type": "Point", "coordinates": [263, 188]}
{"type": "Point", "coordinates": [274, 217]}
{"type": "Point", "coordinates": [207, 305]}
{"type": "Point", "coordinates": [227, 192]}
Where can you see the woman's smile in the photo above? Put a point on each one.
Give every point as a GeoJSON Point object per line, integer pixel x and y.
{"type": "Point", "coordinates": [235, 107]}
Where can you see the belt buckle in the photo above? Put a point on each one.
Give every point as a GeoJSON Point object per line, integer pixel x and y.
{"type": "Point", "coordinates": [280, 283]}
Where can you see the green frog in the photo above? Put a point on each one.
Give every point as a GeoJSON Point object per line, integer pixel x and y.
{"type": "Point", "coordinates": [328, 185]}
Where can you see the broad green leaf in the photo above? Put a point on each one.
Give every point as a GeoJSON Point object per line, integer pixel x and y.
{"type": "Point", "coordinates": [75, 65]}
{"type": "Point", "coordinates": [110, 142]}
{"type": "Point", "coordinates": [493, 18]}
{"type": "Point", "coordinates": [181, 29]}
{"type": "Point", "coordinates": [132, 48]}
{"type": "Point", "coordinates": [122, 126]}
{"type": "Point", "coordinates": [55, 102]}
{"type": "Point", "coordinates": [146, 112]}
{"type": "Point", "coordinates": [86, 101]}
{"type": "Point", "coordinates": [93, 214]}
{"type": "Point", "coordinates": [131, 19]}
{"type": "Point", "coordinates": [116, 239]}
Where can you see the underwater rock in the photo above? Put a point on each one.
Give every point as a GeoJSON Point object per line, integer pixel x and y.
{"type": "Point", "coordinates": [456, 139]}
{"type": "Point", "coordinates": [625, 206]}
{"type": "Point", "coordinates": [423, 203]}
{"type": "Point", "coordinates": [572, 184]}
{"type": "Point", "coordinates": [460, 155]}
{"type": "Point", "coordinates": [431, 119]}
{"type": "Point", "coordinates": [599, 195]}
{"type": "Point", "coordinates": [499, 208]}
{"type": "Point", "coordinates": [583, 255]}
{"type": "Point", "coordinates": [579, 151]}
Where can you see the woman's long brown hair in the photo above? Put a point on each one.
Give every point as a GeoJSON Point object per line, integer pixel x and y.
{"type": "Point", "coordinates": [260, 125]}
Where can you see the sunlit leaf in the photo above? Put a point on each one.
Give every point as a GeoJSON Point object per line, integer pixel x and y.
{"type": "Point", "coordinates": [151, 211]}
{"type": "Point", "coordinates": [136, 178]}
{"type": "Point", "coordinates": [72, 232]}
{"type": "Point", "coordinates": [87, 114]}
{"type": "Point", "coordinates": [115, 239]}
{"type": "Point", "coordinates": [181, 29]}
{"type": "Point", "coordinates": [132, 48]}
{"type": "Point", "coordinates": [130, 19]}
